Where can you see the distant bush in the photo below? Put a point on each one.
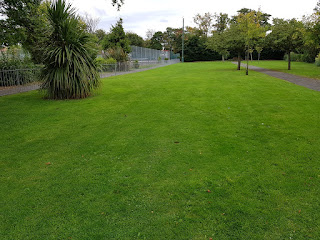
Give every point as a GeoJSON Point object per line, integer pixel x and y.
{"type": "Point", "coordinates": [16, 67]}
{"type": "Point", "coordinates": [295, 57]}
{"type": "Point", "coordinates": [136, 64]}
{"type": "Point", "coordinates": [105, 65]}
{"type": "Point", "coordinates": [317, 60]}
{"type": "Point", "coordinates": [299, 57]}
{"type": "Point", "coordinates": [15, 58]}
{"type": "Point", "coordinates": [111, 61]}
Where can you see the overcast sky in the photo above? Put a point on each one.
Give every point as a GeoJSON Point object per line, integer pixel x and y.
{"type": "Point", "coordinates": [140, 15]}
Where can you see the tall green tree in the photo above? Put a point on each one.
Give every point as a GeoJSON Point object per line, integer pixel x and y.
{"type": "Point", "coordinates": [264, 18]}
{"type": "Point", "coordinates": [235, 41]}
{"type": "Point", "coordinates": [135, 39]}
{"type": "Point", "coordinates": [312, 34]}
{"type": "Point", "coordinates": [251, 31]}
{"type": "Point", "coordinates": [100, 33]}
{"type": "Point", "coordinates": [156, 41]}
{"type": "Point", "coordinates": [217, 42]}
{"type": "Point", "coordinates": [117, 38]}
{"type": "Point", "coordinates": [204, 23]}
{"type": "Point", "coordinates": [69, 70]}
{"type": "Point", "coordinates": [25, 23]}
{"type": "Point", "coordinates": [221, 22]}
{"type": "Point", "coordinates": [286, 35]}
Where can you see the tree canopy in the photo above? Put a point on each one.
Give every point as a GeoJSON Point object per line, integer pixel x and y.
{"type": "Point", "coordinates": [117, 38]}
{"type": "Point", "coordinates": [286, 35]}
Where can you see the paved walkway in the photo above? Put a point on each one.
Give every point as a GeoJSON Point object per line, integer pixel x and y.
{"type": "Point", "coordinates": [18, 89]}
{"type": "Point", "coordinates": [302, 81]}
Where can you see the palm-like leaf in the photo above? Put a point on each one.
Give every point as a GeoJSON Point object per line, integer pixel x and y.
{"type": "Point", "coordinates": [69, 71]}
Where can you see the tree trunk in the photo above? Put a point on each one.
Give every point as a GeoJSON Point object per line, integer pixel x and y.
{"type": "Point", "coordinates": [247, 69]}
{"type": "Point", "coordinates": [258, 57]}
{"type": "Point", "coordinates": [239, 60]}
{"type": "Point", "coordinates": [223, 58]}
{"type": "Point", "coordinates": [289, 61]}
{"type": "Point", "coordinates": [251, 56]}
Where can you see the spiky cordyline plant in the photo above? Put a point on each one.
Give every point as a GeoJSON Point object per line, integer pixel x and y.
{"type": "Point", "coordinates": [69, 71]}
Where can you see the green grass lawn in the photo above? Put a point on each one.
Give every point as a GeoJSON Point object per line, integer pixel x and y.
{"type": "Point", "coordinates": [187, 151]}
{"type": "Point", "coordinates": [297, 68]}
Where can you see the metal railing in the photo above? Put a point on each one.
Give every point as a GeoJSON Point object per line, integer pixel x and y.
{"type": "Point", "coordinates": [16, 77]}
{"type": "Point", "coordinates": [132, 66]}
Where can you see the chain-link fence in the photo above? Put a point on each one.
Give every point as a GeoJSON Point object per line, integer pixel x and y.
{"type": "Point", "coordinates": [147, 54]}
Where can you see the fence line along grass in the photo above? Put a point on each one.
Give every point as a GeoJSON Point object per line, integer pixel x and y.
{"type": "Point", "coordinates": [187, 151]}
{"type": "Point", "coordinates": [297, 68]}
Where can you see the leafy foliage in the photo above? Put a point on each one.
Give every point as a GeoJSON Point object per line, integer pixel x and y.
{"type": "Point", "coordinates": [100, 34]}
{"type": "Point", "coordinates": [135, 39]}
{"type": "Point", "coordinates": [117, 53]}
{"type": "Point", "coordinates": [117, 38]}
{"type": "Point", "coordinates": [217, 43]}
{"type": "Point", "coordinates": [204, 23]}
{"type": "Point", "coordinates": [21, 69]}
{"type": "Point", "coordinates": [286, 35]}
{"type": "Point", "coordinates": [317, 60]}
{"type": "Point", "coordinates": [69, 70]}
{"type": "Point", "coordinates": [26, 24]}
{"type": "Point", "coordinates": [15, 58]}
{"type": "Point", "coordinates": [195, 50]}
{"type": "Point", "coordinates": [105, 65]}
{"type": "Point", "coordinates": [156, 41]}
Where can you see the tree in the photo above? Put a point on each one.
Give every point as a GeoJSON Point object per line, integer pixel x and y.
{"type": "Point", "coordinates": [90, 22]}
{"type": "Point", "coordinates": [196, 49]}
{"type": "Point", "coordinates": [259, 50]}
{"type": "Point", "coordinates": [100, 33]}
{"type": "Point", "coordinates": [204, 23]}
{"type": "Point", "coordinates": [286, 35]}
{"type": "Point", "coordinates": [221, 22]}
{"type": "Point", "coordinates": [217, 43]}
{"type": "Point", "coordinates": [249, 25]}
{"type": "Point", "coordinates": [69, 71]}
{"type": "Point", "coordinates": [117, 38]}
{"type": "Point", "coordinates": [263, 17]}
{"type": "Point", "coordinates": [156, 41]}
{"type": "Point", "coordinates": [235, 41]}
{"type": "Point", "coordinates": [312, 34]}
{"type": "Point", "coordinates": [25, 24]}
{"type": "Point", "coordinates": [135, 39]}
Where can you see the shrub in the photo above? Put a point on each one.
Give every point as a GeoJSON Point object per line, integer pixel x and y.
{"type": "Point", "coordinates": [299, 57]}
{"type": "Point", "coordinates": [295, 57]}
{"type": "Point", "coordinates": [69, 71]}
{"type": "Point", "coordinates": [111, 61]}
{"type": "Point", "coordinates": [317, 60]}
{"type": "Point", "coordinates": [136, 64]}
{"type": "Point", "coordinates": [17, 68]}
{"type": "Point", "coordinates": [117, 53]}
{"type": "Point", "coordinates": [105, 65]}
